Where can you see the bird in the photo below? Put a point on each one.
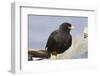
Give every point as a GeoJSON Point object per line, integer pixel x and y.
{"type": "Point", "coordinates": [59, 40]}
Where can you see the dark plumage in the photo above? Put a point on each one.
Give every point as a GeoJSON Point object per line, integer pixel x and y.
{"type": "Point", "coordinates": [59, 40]}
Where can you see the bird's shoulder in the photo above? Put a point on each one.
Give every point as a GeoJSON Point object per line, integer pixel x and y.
{"type": "Point", "coordinates": [54, 33]}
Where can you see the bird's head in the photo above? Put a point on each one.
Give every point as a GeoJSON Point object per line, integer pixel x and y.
{"type": "Point", "coordinates": [66, 26]}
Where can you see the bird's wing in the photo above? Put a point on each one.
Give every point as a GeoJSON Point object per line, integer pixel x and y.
{"type": "Point", "coordinates": [51, 40]}
{"type": "Point", "coordinates": [69, 41]}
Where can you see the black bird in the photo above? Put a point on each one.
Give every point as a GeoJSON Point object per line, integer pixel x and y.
{"type": "Point", "coordinates": [59, 40]}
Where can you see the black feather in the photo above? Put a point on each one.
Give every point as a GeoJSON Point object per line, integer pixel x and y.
{"type": "Point", "coordinates": [59, 40]}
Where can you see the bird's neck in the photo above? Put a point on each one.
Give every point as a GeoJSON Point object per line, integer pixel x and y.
{"type": "Point", "coordinates": [65, 31]}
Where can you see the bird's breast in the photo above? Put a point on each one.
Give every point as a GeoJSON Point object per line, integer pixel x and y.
{"type": "Point", "coordinates": [61, 37]}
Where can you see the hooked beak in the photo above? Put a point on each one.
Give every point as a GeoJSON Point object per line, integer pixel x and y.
{"type": "Point", "coordinates": [72, 27]}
